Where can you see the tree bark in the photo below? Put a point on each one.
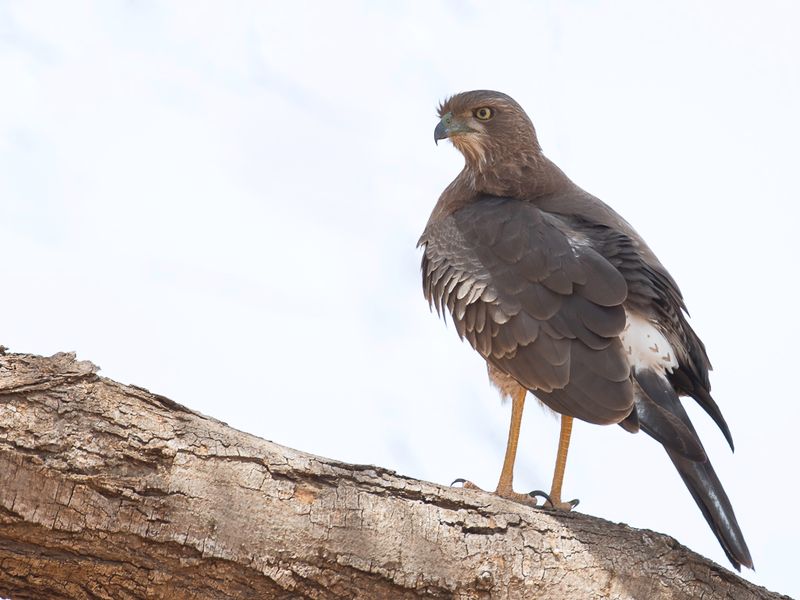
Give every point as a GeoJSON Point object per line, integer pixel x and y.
{"type": "Point", "coordinates": [110, 491]}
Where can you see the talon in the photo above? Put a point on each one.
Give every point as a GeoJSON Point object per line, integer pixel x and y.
{"type": "Point", "coordinates": [562, 506]}
{"type": "Point", "coordinates": [465, 484]}
{"type": "Point", "coordinates": [543, 495]}
{"type": "Point", "coordinates": [549, 504]}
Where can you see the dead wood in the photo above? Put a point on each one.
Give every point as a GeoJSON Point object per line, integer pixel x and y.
{"type": "Point", "coordinates": [110, 491]}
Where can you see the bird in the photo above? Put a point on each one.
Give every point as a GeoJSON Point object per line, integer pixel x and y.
{"type": "Point", "coordinates": [565, 300]}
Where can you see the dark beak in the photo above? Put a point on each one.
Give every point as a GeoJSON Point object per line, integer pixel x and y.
{"type": "Point", "coordinates": [448, 127]}
{"type": "Point", "coordinates": [441, 131]}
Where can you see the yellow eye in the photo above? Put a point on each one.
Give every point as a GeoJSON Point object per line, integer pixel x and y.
{"type": "Point", "coordinates": [484, 113]}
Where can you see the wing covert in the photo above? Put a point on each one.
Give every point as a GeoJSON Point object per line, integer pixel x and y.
{"type": "Point", "coordinates": [536, 301]}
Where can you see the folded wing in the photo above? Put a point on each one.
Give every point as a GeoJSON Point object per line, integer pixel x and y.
{"type": "Point", "coordinates": [536, 301]}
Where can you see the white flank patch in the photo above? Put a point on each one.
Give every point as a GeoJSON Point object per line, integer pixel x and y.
{"type": "Point", "coordinates": [646, 346]}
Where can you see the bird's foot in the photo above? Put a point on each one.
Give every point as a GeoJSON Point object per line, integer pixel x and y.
{"type": "Point", "coordinates": [555, 502]}
{"type": "Point", "coordinates": [507, 492]}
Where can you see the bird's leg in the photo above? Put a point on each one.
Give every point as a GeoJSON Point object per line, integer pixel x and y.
{"type": "Point", "coordinates": [505, 485]}
{"type": "Point", "coordinates": [561, 463]}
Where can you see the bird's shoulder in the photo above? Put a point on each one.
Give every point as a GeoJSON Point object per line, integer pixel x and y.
{"type": "Point", "coordinates": [600, 223]}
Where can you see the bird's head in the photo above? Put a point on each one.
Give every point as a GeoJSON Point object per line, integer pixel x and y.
{"type": "Point", "coordinates": [486, 127]}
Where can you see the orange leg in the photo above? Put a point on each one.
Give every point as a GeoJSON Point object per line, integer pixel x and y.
{"type": "Point", "coordinates": [561, 464]}
{"type": "Point", "coordinates": [505, 485]}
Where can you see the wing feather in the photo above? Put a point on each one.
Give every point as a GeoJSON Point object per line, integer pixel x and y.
{"type": "Point", "coordinates": [651, 290]}
{"type": "Point", "coordinates": [535, 301]}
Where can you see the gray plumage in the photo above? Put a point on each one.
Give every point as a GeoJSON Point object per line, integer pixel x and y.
{"type": "Point", "coordinates": [543, 280]}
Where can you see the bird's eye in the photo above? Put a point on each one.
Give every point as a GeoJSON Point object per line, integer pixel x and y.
{"type": "Point", "coordinates": [484, 113]}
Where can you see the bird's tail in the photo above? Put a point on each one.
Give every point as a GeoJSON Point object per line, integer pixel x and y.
{"type": "Point", "coordinates": [698, 475]}
{"type": "Point", "coordinates": [710, 496]}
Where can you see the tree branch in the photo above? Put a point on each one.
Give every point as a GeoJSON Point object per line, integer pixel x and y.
{"type": "Point", "coordinates": [110, 491]}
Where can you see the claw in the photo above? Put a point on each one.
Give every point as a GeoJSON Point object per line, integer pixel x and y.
{"type": "Point", "coordinates": [465, 484]}
{"type": "Point", "coordinates": [541, 494]}
{"type": "Point", "coordinates": [548, 501]}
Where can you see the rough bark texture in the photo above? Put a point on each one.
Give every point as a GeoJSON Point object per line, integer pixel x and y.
{"type": "Point", "coordinates": [110, 491]}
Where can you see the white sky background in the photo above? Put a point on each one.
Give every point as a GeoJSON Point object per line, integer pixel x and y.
{"type": "Point", "coordinates": [221, 201]}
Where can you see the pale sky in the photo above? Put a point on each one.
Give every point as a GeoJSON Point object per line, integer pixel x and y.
{"type": "Point", "coordinates": [220, 202]}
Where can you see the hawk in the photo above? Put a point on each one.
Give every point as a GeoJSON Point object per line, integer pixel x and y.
{"type": "Point", "coordinates": [563, 299]}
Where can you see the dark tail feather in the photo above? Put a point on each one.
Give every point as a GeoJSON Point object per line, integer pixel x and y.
{"type": "Point", "coordinates": [699, 476]}
{"type": "Point", "coordinates": [659, 420]}
{"type": "Point", "coordinates": [710, 496]}
{"type": "Point", "coordinates": [689, 386]}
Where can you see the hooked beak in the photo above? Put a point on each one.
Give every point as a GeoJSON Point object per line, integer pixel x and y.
{"type": "Point", "coordinates": [448, 127]}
